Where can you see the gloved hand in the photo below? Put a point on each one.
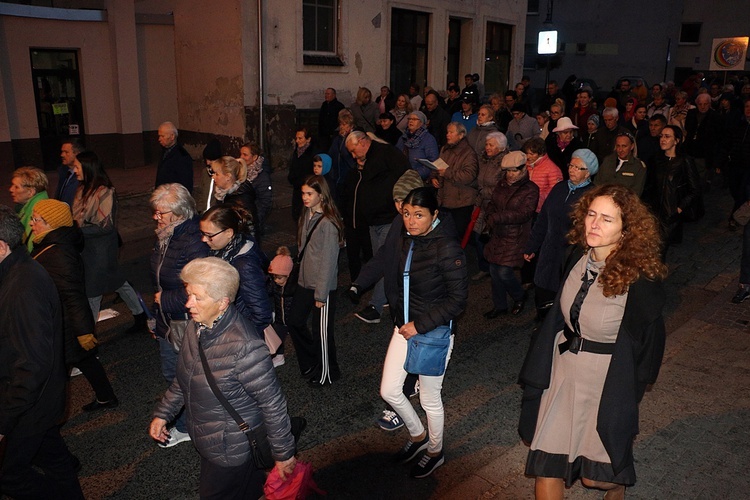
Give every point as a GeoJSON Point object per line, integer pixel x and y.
{"type": "Point", "coordinates": [353, 294]}
{"type": "Point", "coordinates": [87, 341]}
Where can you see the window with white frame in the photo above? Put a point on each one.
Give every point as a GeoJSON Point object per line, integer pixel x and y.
{"type": "Point", "coordinates": [320, 32]}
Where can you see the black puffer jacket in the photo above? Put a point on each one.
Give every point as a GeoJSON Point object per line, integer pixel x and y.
{"type": "Point", "coordinates": [241, 364]}
{"type": "Point", "coordinates": [184, 246]}
{"type": "Point", "coordinates": [439, 287]}
{"type": "Point", "coordinates": [59, 253]}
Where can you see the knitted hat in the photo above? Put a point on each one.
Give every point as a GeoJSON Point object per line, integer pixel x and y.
{"type": "Point", "coordinates": [55, 213]}
{"type": "Point", "coordinates": [589, 158]}
{"type": "Point", "coordinates": [420, 116]}
{"type": "Point", "coordinates": [409, 181]}
{"type": "Point", "coordinates": [610, 102]}
{"type": "Point", "coordinates": [594, 119]}
{"type": "Point", "coordinates": [513, 159]}
{"type": "Point", "coordinates": [326, 163]}
{"type": "Point", "coordinates": [282, 264]}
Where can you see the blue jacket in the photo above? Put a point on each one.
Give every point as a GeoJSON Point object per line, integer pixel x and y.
{"type": "Point", "coordinates": [184, 246]}
{"type": "Point", "coordinates": [427, 148]}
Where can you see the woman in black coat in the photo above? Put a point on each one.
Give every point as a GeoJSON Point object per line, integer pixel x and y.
{"type": "Point", "coordinates": [678, 193]}
{"type": "Point", "coordinates": [57, 247]}
{"type": "Point", "coordinates": [178, 242]}
{"type": "Point", "coordinates": [602, 343]}
{"type": "Point", "coordinates": [231, 187]}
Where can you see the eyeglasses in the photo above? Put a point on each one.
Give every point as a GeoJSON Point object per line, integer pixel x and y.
{"type": "Point", "coordinates": [159, 214]}
{"type": "Point", "coordinates": [576, 167]}
{"type": "Point", "coordinates": [36, 220]}
{"type": "Point", "coordinates": [210, 237]}
{"type": "Point", "coordinates": [210, 171]}
{"type": "Point", "coordinates": [664, 136]}
{"type": "Point", "coordinates": [513, 169]}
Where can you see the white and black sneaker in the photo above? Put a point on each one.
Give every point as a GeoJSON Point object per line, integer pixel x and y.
{"type": "Point", "coordinates": [427, 465]}
{"type": "Point", "coordinates": [390, 421]}
{"type": "Point", "coordinates": [410, 451]}
{"type": "Point", "coordinates": [369, 315]}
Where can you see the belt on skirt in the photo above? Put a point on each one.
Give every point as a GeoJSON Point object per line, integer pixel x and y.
{"type": "Point", "coordinates": [575, 343]}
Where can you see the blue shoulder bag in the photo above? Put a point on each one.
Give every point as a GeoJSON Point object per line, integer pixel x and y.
{"type": "Point", "coordinates": [427, 352]}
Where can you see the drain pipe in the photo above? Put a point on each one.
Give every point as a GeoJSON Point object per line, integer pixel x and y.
{"type": "Point", "coordinates": [261, 88]}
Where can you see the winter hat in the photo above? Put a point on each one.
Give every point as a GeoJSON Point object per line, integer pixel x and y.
{"type": "Point", "coordinates": [589, 158]}
{"type": "Point", "coordinates": [518, 107]}
{"type": "Point", "coordinates": [326, 163]}
{"type": "Point", "coordinates": [594, 119]}
{"type": "Point", "coordinates": [409, 181]}
{"type": "Point", "coordinates": [420, 116]}
{"type": "Point", "coordinates": [513, 159]}
{"type": "Point", "coordinates": [55, 213]}
{"type": "Point", "coordinates": [564, 124]}
{"type": "Point", "coordinates": [282, 264]}
{"type": "Point", "coordinates": [610, 102]}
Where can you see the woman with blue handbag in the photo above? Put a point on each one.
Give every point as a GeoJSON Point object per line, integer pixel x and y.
{"type": "Point", "coordinates": [425, 277]}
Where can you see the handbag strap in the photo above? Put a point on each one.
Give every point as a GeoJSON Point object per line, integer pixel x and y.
{"type": "Point", "coordinates": [301, 253]}
{"type": "Point", "coordinates": [407, 267]}
{"type": "Point", "coordinates": [217, 392]}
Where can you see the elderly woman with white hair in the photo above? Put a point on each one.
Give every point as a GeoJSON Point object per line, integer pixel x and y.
{"type": "Point", "coordinates": [179, 241]}
{"type": "Point", "coordinates": [418, 144]}
{"type": "Point", "coordinates": [28, 185]}
{"type": "Point", "coordinates": [495, 149]}
{"type": "Point", "coordinates": [222, 346]}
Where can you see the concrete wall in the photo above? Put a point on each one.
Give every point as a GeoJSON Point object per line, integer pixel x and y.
{"type": "Point", "coordinates": [720, 20]}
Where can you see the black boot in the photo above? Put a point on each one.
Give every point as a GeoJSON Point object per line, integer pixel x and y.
{"type": "Point", "coordinates": [140, 325]}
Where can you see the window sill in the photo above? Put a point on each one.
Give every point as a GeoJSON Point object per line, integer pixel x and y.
{"type": "Point", "coordinates": [318, 60]}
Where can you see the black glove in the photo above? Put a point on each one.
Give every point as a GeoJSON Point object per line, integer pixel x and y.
{"type": "Point", "coordinates": [353, 294]}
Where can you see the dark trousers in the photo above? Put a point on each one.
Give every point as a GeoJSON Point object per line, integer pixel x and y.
{"type": "Point", "coordinates": [94, 372]}
{"type": "Point", "coordinates": [358, 248]}
{"type": "Point", "coordinates": [39, 467]}
{"type": "Point", "coordinates": [481, 261]}
{"type": "Point", "coordinates": [461, 218]}
{"type": "Point", "coordinates": [504, 283]}
{"type": "Point", "coordinates": [316, 348]}
{"type": "Point", "coordinates": [243, 482]}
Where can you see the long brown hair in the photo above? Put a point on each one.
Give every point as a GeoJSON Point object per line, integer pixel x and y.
{"type": "Point", "coordinates": [637, 254]}
{"type": "Point", "coordinates": [319, 184]}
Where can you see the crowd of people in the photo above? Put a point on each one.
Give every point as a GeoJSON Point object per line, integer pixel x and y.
{"type": "Point", "coordinates": [554, 196]}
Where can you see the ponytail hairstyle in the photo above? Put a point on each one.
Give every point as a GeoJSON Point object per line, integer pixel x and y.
{"type": "Point", "coordinates": [320, 185]}
{"type": "Point", "coordinates": [231, 217]}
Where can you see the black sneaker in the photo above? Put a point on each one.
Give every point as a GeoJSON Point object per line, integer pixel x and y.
{"type": "Point", "coordinates": [369, 315]}
{"type": "Point", "coordinates": [410, 451]}
{"type": "Point", "coordinates": [742, 294]}
{"type": "Point", "coordinates": [427, 465]}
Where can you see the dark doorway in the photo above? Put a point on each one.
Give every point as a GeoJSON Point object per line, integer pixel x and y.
{"type": "Point", "coordinates": [57, 90]}
{"type": "Point", "coordinates": [497, 57]}
{"type": "Point", "coordinates": [409, 35]}
{"type": "Point", "coordinates": [454, 50]}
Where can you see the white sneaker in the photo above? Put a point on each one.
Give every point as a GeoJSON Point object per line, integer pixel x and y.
{"type": "Point", "coordinates": [74, 372]}
{"type": "Point", "coordinates": [175, 437]}
{"type": "Point", "coordinates": [278, 360]}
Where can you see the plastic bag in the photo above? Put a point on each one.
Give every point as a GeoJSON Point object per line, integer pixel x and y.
{"type": "Point", "coordinates": [298, 485]}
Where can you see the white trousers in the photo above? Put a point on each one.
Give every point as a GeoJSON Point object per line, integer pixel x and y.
{"type": "Point", "coordinates": [391, 390]}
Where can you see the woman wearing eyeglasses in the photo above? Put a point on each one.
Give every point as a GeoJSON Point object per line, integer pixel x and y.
{"type": "Point", "coordinates": [225, 230]}
{"type": "Point", "coordinates": [509, 217]}
{"type": "Point", "coordinates": [178, 241]}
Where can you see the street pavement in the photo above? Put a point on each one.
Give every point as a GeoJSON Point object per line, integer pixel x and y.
{"type": "Point", "coordinates": [694, 440]}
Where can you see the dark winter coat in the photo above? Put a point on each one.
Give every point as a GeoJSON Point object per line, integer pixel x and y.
{"type": "Point", "coordinates": [263, 195]}
{"type": "Point", "coordinates": [701, 138]}
{"type": "Point", "coordinates": [175, 166]}
{"type": "Point", "coordinates": [561, 158]}
{"type": "Point", "coordinates": [509, 216]}
{"type": "Point", "coordinates": [548, 236]}
{"type": "Point", "coordinates": [678, 186]}
{"type": "Point", "coordinates": [166, 265]}
{"type": "Point", "coordinates": [59, 253]}
{"type": "Point", "coordinates": [244, 197]}
{"type": "Point", "coordinates": [241, 364]}
{"type": "Point", "coordinates": [635, 363]}
{"type": "Point", "coordinates": [32, 370]}
{"type": "Point", "coordinates": [368, 193]}
{"type": "Point", "coordinates": [439, 286]}
{"type": "Point", "coordinates": [282, 297]}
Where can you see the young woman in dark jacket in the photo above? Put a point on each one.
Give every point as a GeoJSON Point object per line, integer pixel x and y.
{"type": "Point", "coordinates": [438, 292]}
{"type": "Point", "coordinates": [259, 177]}
{"type": "Point", "coordinates": [178, 242]}
{"type": "Point", "coordinates": [509, 216]}
{"type": "Point", "coordinates": [57, 247]}
{"type": "Point", "coordinates": [224, 230]}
